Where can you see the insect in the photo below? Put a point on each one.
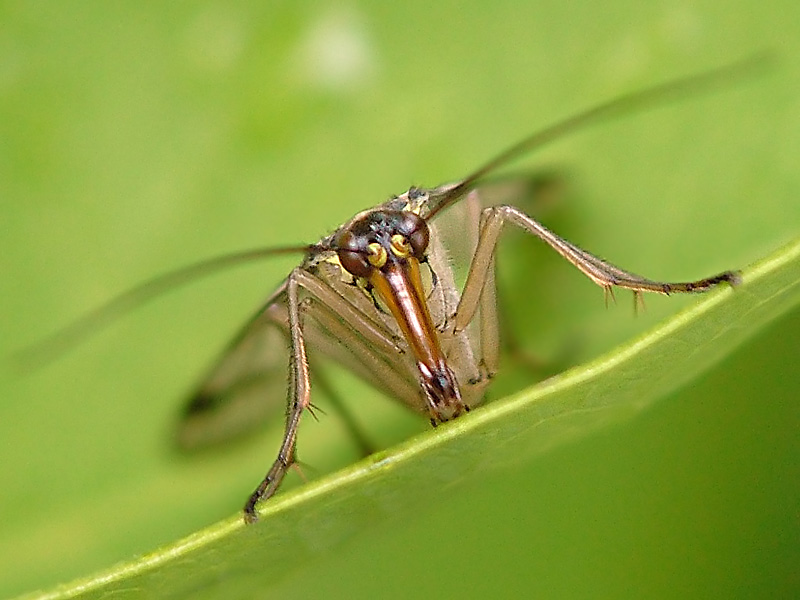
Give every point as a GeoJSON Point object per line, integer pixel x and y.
{"type": "Point", "coordinates": [379, 296]}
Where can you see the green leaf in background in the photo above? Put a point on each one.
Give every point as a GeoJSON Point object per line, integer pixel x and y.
{"type": "Point", "coordinates": [231, 559]}
{"type": "Point", "coordinates": [135, 138]}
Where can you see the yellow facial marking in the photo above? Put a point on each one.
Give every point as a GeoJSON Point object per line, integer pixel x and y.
{"type": "Point", "coordinates": [344, 275]}
{"type": "Point", "coordinates": [417, 204]}
{"type": "Point", "coordinates": [377, 255]}
{"type": "Point", "coordinates": [400, 246]}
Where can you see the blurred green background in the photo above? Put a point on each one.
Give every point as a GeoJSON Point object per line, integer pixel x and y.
{"type": "Point", "coordinates": [136, 137]}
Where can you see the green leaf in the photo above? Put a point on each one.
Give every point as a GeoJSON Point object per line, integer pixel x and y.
{"type": "Point", "coordinates": [231, 559]}
{"type": "Point", "coordinates": [135, 138]}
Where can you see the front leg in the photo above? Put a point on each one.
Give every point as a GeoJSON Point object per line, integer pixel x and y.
{"type": "Point", "coordinates": [601, 272]}
{"type": "Point", "coordinates": [298, 400]}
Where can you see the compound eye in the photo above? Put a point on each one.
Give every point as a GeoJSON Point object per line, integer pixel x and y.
{"type": "Point", "coordinates": [355, 263]}
{"type": "Point", "coordinates": [419, 238]}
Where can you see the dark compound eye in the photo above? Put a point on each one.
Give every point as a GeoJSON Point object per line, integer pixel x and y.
{"type": "Point", "coordinates": [417, 234]}
{"type": "Point", "coordinates": [355, 263]}
{"type": "Point", "coordinates": [419, 239]}
{"type": "Point", "coordinates": [407, 233]}
{"type": "Point", "coordinates": [350, 250]}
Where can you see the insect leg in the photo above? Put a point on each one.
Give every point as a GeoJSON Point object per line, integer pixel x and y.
{"type": "Point", "coordinates": [601, 272]}
{"type": "Point", "coordinates": [298, 400]}
{"type": "Point", "coordinates": [332, 325]}
{"type": "Point", "coordinates": [342, 341]}
{"type": "Point", "coordinates": [373, 332]}
{"type": "Point", "coordinates": [489, 321]}
{"type": "Point", "coordinates": [340, 330]}
{"type": "Point", "coordinates": [489, 327]}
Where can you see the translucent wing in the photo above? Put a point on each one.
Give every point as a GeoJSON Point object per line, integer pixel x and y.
{"type": "Point", "coordinates": [245, 386]}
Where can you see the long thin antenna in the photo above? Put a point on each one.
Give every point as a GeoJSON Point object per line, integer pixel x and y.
{"type": "Point", "coordinates": [621, 105]}
{"type": "Point", "coordinates": [63, 340]}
